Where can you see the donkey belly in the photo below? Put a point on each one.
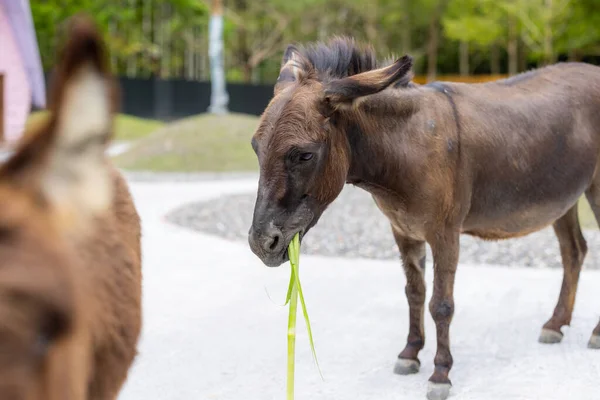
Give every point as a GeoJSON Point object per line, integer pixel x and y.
{"type": "Point", "coordinates": [512, 204]}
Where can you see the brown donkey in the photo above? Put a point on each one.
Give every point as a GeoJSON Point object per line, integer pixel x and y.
{"type": "Point", "coordinates": [495, 160]}
{"type": "Point", "coordinates": [70, 277]}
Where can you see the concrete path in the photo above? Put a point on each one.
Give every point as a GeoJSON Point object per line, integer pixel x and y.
{"type": "Point", "coordinates": [212, 333]}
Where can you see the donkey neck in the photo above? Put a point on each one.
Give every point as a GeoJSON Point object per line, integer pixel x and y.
{"type": "Point", "coordinates": [386, 138]}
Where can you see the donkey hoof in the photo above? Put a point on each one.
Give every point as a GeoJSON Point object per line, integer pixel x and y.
{"type": "Point", "coordinates": [594, 342]}
{"type": "Point", "coordinates": [405, 366]}
{"type": "Point", "coordinates": [549, 336]}
{"type": "Point", "coordinates": [438, 391]}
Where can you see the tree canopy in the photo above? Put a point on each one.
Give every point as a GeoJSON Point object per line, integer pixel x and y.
{"type": "Point", "coordinates": [169, 38]}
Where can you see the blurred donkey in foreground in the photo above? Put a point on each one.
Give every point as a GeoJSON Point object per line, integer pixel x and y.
{"type": "Point", "coordinates": [70, 258]}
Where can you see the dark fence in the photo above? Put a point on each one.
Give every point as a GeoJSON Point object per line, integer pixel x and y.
{"type": "Point", "coordinates": [178, 98]}
{"type": "Point", "coordinates": [171, 99]}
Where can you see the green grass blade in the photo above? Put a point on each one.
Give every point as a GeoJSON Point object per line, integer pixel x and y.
{"type": "Point", "coordinates": [291, 333]}
{"type": "Point", "coordinates": [295, 291]}
{"type": "Point", "coordinates": [288, 296]}
{"type": "Point", "coordinates": [295, 251]}
{"type": "Point", "coordinates": [308, 327]}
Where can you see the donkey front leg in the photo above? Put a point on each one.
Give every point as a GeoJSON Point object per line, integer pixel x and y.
{"type": "Point", "coordinates": [445, 249]}
{"type": "Point", "coordinates": [413, 260]}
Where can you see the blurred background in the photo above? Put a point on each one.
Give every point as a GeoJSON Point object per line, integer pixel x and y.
{"type": "Point", "coordinates": [169, 38]}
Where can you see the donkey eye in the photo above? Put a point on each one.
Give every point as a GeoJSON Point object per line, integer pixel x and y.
{"type": "Point", "coordinates": [306, 156]}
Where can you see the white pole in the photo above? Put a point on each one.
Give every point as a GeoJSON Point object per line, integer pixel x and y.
{"type": "Point", "coordinates": [219, 97]}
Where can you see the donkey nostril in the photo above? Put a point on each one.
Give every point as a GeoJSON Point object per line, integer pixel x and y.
{"type": "Point", "coordinates": [274, 242]}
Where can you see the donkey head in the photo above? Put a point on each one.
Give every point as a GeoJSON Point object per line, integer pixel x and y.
{"type": "Point", "coordinates": [302, 142]}
{"type": "Point", "coordinates": [51, 189]}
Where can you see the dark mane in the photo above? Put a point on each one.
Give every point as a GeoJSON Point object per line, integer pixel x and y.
{"type": "Point", "coordinates": [339, 57]}
{"type": "Point", "coordinates": [342, 56]}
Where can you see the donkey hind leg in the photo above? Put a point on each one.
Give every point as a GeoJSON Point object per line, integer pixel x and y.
{"type": "Point", "coordinates": [593, 197]}
{"type": "Point", "coordinates": [413, 259]}
{"type": "Point", "coordinates": [594, 342]}
{"type": "Point", "coordinates": [573, 249]}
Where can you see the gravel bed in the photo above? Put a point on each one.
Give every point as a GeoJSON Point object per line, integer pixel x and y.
{"type": "Point", "coordinates": [354, 227]}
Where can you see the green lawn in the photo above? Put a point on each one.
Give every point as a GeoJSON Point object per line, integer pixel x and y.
{"type": "Point", "coordinates": [200, 143]}
{"type": "Point", "coordinates": [127, 128]}
{"type": "Point", "coordinates": [586, 216]}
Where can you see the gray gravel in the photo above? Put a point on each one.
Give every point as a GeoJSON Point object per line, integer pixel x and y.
{"type": "Point", "coordinates": [354, 227]}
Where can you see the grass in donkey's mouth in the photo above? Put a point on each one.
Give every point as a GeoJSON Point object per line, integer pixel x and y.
{"type": "Point", "coordinates": [295, 291]}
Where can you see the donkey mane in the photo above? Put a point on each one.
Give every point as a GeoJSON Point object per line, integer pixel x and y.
{"type": "Point", "coordinates": [339, 57]}
{"type": "Point", "coordinates": [343, 56]}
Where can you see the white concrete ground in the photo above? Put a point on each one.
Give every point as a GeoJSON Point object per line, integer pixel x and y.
{"type": "Point", "coordinates": [212, 333]}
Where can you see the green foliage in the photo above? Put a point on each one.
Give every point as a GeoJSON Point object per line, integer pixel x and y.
{"type": "Point", "coordinates": [475, 21]}
{"type": "Point", "coordinates": [124, 24]}
{"type": "Point", "coordinates": [582, 34]}
{"type": "Point", "coordinates": [168, 38]}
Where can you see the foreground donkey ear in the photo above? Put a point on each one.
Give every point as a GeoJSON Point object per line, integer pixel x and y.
{"type": "Point", "coordinates": [344, 91]}
{"type": "Point", "coordinates": [64, 161]}
{"type": "Point", "coordinates": [293, 68]}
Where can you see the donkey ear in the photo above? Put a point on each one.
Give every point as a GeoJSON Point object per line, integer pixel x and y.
{"type": "Point", "coordinates": [294, 67]}
{"type": "Point", "coordinates": [289, 54]}
{"type": "Point", "coordinates": [64, 161]}
{"type": "Point", "coordinates": [346, 90]}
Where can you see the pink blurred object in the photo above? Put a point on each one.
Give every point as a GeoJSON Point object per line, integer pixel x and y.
{"type": "Point", "coordinates": [21, 66]}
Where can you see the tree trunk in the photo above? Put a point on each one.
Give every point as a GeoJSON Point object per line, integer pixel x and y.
{"type": "Point", "coordinates": [406, 28]}
{"type": "Point", "coordinates": [512, 47]}
{"type": "Point", "coordinates": [147, 32]}
{"type": "Point", "coordinates": [574, 55]}
{"type": "Point", "coordinates": [188, 54]}
{"type": "Point", "coordinates": [218, 96]}
{"type": "Point", "coordinates": [244, 53]}
{"type": "Point", "coordinates": [112, 32]}
{"type": "Point", "coordinates": [522, 56]}
{"type": "Point", "coordinates": [495, 59]}
{"type": "Point", "coordinates": [157, 39]}
{"type": "Point", "coordinates": [371, 24]}
{"type": "Point", "coordinates": [247, 71]}
{"type": "Point", "coordinates": [132, 60]}
{"type": "Point", "coordinates": [433, 42]}
{"type": "Point", "coordinates": [165, 45]}
{"type": "Point", "coordinates": [464, 58]}
{"type": "Point", "coordinates": [199, 51]}
{"type": "Point", "coordinates": [255, 76]}
{"type": "Point", "coordinates": [549, 57]}
{"type": "Point", "coordinates": [204, 62]}
{"type": "Point", "coordinates": [323, 30]}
